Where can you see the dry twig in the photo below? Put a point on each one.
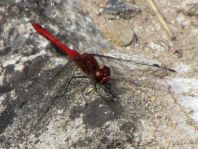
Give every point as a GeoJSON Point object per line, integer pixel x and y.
{"type": "Point", "coordinates": [161, 19]}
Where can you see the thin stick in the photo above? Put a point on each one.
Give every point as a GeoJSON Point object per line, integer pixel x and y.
{"type": "Point", "coordinates": [161, 19]}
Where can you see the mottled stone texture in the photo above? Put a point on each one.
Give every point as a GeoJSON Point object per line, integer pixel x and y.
{"type": "Point", "coordinates": [150, 107]}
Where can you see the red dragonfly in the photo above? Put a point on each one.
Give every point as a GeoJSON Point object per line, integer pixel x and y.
{"type": "Point", "coordinates": [86, 62]}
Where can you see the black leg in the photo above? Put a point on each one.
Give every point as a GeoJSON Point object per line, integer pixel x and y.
{"type": "Point", "coordinates": [72, 78]}
{"type": "Point", "coordinates": [107, 88]}
{"type": "Point", "coordinates": [86, 102]}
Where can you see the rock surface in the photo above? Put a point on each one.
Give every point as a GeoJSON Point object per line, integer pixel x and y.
{"type": "Point", "coordinates": [119, 33]}
{"type": "Point", "coordinates": [152, 108]}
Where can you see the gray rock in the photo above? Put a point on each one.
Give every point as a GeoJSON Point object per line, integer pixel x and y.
{"type": "Point", "coordinates": [120, 33]}
{"type": "Point", "coordinates": [120, 9]}
{"type": "Point", "coordinates": [159, 46]}
{"type": "Point", "coordinates": [152, 108]}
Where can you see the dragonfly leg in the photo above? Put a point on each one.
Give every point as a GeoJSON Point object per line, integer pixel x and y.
{"type": "Point", "coordinates": [68, 83]}
{"type": "Point", "coordinates": [96, 90]}
{"type": "Point", "coordinates": [86, 102]}
{"type": "Point", "coordinates": [72, 78]}
{"type": "Point", "coordinates": [107, 89]}
{"type": "Point", "coordinates": [112, 101]}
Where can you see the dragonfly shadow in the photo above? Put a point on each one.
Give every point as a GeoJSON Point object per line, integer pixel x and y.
{"type": "Point", "coordinates": [99, 111]}
{"type": "Point", "coordinates": [106, 107]}
{"type": "Point", "coordinates": [102, 105]}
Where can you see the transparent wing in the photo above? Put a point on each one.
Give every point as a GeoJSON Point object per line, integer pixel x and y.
{"type": "Point", "coordinates": [134, 62]}
{"type": "Point", "coordinates": [129, 76]}
{"type": "Point", "coordinates": [38, 96]}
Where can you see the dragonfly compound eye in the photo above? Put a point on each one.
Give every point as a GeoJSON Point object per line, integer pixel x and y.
{"type": "Point", "coordinates": [103, 75]}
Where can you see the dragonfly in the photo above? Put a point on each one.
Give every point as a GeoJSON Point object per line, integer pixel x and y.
{"type": "Point", "coordinates": [87, 63]}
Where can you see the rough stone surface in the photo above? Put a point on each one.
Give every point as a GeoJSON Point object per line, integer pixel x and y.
{"type": "Point", "coordinates": [119, 33]}
{"type": "Point", "coordinates": [152, 108]}
{"type": "Point", "coordinates": [118, 9]}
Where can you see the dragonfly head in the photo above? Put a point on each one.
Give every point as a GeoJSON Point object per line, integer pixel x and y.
{"type": "Point", "coordinates": [102, 76]}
